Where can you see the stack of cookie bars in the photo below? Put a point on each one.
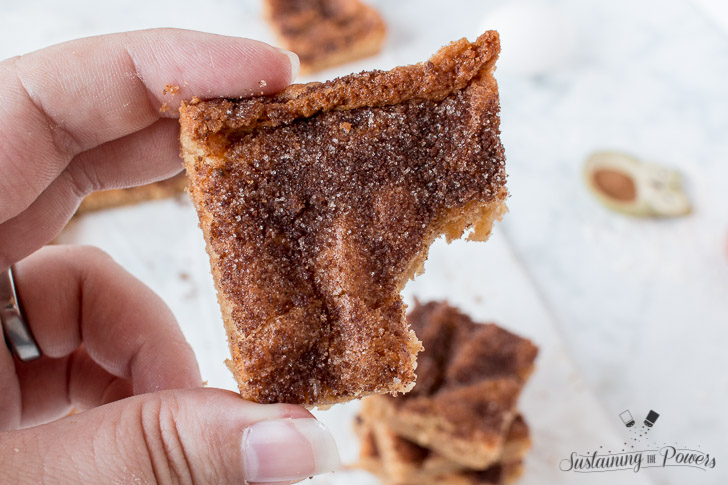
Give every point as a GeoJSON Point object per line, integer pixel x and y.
{"type": "Point", "coordinates": [460, 423]}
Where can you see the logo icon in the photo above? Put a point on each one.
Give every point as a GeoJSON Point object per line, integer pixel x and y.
{"type": "Point", "coordinates": [651, 418]}
{"type": "Point", "coordinates": [627, 418]}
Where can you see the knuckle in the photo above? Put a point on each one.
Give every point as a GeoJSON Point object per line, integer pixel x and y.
{"type": "Point", "coordinates": [93, 254]}
{"type": "Point", "coordinates": [163, 441]}
{"type": "Point", "coordinates": [62, 141]}
{"type": "Point", "coordinates": [91, 257]}
{"type": "Point", "coordinates": [79, 183]}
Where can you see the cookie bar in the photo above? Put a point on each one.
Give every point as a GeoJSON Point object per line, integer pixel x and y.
{"type": "Point", "coordinates": [319, 203]}
{"type": "Point", "coordinates": [326, 33]}
{"type": "Point", "coordinates": [401, 461]}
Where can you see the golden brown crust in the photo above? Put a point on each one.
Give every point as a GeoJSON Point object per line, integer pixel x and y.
{"type": "Point", "coordinates": [517, 441]}
{"type": "Point", "coordinates": [319, 203]}
{"type": "Point", "coordinates": [469, 379]}
{"type": "Point", "coordinates": [325, 33]}
{"type": "Point", "coordinates": [107, 199]}
{"type": "Point", "coordinates": [451, 69]}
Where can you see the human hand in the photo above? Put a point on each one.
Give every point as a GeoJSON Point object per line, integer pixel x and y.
{"type": "Point", "coordinates": [86, 116]}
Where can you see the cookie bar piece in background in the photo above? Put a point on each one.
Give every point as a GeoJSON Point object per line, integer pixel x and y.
{"type": "Point", "coordinates": [107, 199]}
{"type": "Point", "coordinates": [498, 474]}
{"type": "Point", "coordinates": [400, 461]}
{"type": "Point", "coordinates": [326, 33]}
{"type": "Point", "coordinates": [372, 460]}
{"type": "Point", "coordinates": [319, 203]}
{"type": "Point", "coordinates": [470, 376]}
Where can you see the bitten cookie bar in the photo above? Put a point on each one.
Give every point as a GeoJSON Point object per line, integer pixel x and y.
{"type": "Point", "coordinates": [319, 203]}
{"type": "Point", "coordinates": [326, 33]}
{"type": "Point", "coordinates": [470, 377]}
{"type": "Point", "coordinates": [399, 461]}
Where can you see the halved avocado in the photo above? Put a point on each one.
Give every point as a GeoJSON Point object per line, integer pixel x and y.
{"type": "Point", "coordinates": [630, 186]}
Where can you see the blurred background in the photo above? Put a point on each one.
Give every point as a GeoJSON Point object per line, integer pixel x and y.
{"type": "Point", "coordinates": [630, 312]}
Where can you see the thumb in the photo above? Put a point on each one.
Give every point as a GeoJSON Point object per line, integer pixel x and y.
{"type": "Point", "coordinates": [183, 436]}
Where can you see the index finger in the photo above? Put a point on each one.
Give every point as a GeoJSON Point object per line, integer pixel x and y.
{"type": "Point", "coordinates": [66, 99]}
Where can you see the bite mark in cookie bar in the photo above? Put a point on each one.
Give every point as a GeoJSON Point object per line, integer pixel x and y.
{"type": "Point", "coordinates": [319, 203]}
{"type": "Point", "coordinates": [326, 33]}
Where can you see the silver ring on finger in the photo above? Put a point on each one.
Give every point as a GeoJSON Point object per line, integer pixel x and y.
{"type": "Point", "coordinates": [18, 336]}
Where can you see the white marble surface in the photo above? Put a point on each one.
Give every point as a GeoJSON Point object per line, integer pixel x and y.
{"type": "Point", "coordinates": [640, 306]}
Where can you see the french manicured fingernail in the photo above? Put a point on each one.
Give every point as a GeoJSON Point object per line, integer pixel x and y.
{"type": "Point", "coordinates": [288, 449]}
{"type": "Point", "coordinates": [295, 62]}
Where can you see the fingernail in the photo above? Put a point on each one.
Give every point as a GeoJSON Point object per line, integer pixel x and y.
{"type": "Point", "coordinates": [288, 449]}
{"type": "Point", "coordinates": [295, 62]}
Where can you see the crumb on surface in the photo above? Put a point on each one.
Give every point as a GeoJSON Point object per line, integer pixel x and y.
{"type": "Point", "coordinates": [170, 89]}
